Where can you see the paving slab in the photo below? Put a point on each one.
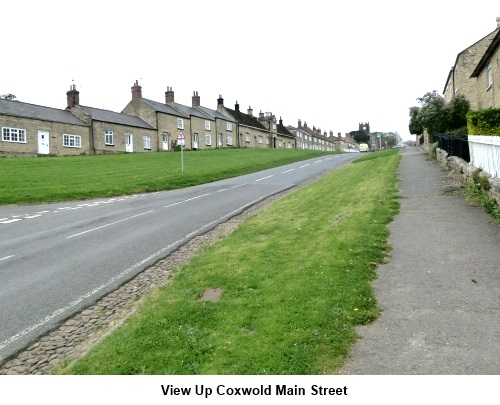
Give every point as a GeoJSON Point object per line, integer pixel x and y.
{"type": "Point", "coordinates": [440, 289]}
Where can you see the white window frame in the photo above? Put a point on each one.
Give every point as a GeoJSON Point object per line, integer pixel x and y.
{"type": "Point", "coordinates": [207, 125]}
{"type": "Point", "coordinates": [180, 123]}
{"type": "Point", "coordinates": [247, 138]}
{"type": "Point", "coordinates": [146, 140]}
{"type": "Point", "coordinates": [489, 77]}
{"type": "Point", "coordinates": [72, 141]}
{"type": "Point", "coordinates": [229, 126]}
{"type": "Point", "coordinates": [229, 140]}
{"type": "Point", "coordinates": [109, 138]}
{"type": "Point", "coordinates": [208, 140]}
{"type": "Point", "coordinates": [17, 135]}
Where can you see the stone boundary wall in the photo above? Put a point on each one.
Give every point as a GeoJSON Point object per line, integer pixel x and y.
{"type": "Point", "coordinates": [462, 171]}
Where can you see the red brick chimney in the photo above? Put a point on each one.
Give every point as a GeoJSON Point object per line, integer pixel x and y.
{"type": "Point", "coordinates": [169, 95]}
{"type": "Point", "coordinates": [73, 96]}
{"type": "Point", "coordinates": [136, 91]}
{"type": "Point", "coordinates": [196, 99]}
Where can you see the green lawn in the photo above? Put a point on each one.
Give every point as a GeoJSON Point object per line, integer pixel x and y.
{"type": "Point", "coordinates": [48, 179]}
{"type": "Point", "coordinates": [296, 280]}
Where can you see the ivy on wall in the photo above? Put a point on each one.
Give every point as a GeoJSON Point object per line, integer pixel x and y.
{"type": "Point", "coordinates": [484, 122]}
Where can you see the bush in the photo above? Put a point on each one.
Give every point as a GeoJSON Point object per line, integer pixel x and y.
{"type": "Point", "coordinates": [484, 122]}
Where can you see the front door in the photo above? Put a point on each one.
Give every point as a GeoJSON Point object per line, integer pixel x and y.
{"type": "Point", "coordinates": [129, 143]}
{"type": "Point", "coordinates": [43, 142]}
{"type": "Point", "coordinates": [195, 141]}
{"type": "Point", "coordinates": [166, 140]}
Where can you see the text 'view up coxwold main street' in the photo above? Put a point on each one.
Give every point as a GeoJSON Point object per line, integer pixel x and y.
{"type": "Point", "coordinates": [221, 390]}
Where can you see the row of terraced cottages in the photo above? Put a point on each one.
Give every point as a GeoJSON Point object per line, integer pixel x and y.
{"type": "Point", "coordinates": [143, 126]}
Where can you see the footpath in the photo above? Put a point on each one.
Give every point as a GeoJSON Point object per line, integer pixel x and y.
{"type": "Point", "coordinates": [440, 290]}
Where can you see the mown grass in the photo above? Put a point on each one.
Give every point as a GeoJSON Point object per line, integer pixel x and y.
{"type": "Point", "coordinates": [294, 286]}
{"type": "Point", "coordinates": [48, 179]}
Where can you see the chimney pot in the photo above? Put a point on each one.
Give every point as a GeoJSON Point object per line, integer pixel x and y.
{"type": "Point", "coordinates": [136, 91]}
{"type": "Point", "coordinates": [73, 96]}
{"type": "Point", "coordinates": [498, 22]}
{"type": "Point", "coordinates": [195, 99]}
{"type": "Point", "coordinates": [169, 95]}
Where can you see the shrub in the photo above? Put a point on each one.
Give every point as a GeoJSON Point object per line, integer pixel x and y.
{"type": "Point", "coordinates": [484, 122]}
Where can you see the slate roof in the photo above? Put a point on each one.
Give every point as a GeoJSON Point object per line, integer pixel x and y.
{"type": "Point", "coordinates": [246, 119]}
{"type": "Point", "coordinates": [216, 114]}
{"type": "Point", "coordinates": [164, 108]}
{"type": "Point", "coordinates": [116, 118]}
{"type": "Point", "coordinates": [282, 130]}
{"type": "Point", "coordinates": [189, 110]}
{"type": "Point", "coordinates": [487, 55]}
{"type": "Point", "coordinates": [20, 109]}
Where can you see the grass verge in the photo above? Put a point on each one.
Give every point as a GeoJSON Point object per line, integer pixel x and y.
{"type": "Point", "coordinates": [49, 179]}
{"type": "Point", "coordinates": [294, 286]}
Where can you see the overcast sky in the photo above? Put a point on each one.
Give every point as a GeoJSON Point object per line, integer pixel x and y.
{"type": "Point", "coordinates": [330, 64]}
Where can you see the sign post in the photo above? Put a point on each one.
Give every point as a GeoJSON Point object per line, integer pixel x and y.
{"type": "Point", "coordinates": [181, 140]}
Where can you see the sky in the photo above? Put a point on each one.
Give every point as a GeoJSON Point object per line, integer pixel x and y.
{"type": "Point", "coordinates": [332, 65]}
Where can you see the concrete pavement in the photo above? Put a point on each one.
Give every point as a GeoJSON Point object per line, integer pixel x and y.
{"type": "Point", "coordinates": [440, 289]}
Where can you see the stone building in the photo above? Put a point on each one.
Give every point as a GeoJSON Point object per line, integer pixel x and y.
{"type": "Point", "coordinates": [31, 130]}
{"type": "Point", "coordinates": [487, 74]}
{"type": "Point", "coordinates": [459, 79]}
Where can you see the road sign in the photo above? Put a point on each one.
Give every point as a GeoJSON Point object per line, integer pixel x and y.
{"type": "Point", "coordinates": [181, 139]}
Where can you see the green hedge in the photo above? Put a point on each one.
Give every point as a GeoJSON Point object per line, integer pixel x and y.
{"type": "Point", "coordinates": [484, 122]}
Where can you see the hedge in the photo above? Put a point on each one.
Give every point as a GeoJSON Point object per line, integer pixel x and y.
{"type": "Point", "coordinates": [484, 122]}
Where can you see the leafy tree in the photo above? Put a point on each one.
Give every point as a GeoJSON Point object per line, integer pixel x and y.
{"type": "Point", "coordinates": [360, 136]}
{"type": "Point", "coordinates": [433, 114]}
{"type": "Point", "coordinates": [415, 126]}
{"type": "Point", "coordinates": [438, 116]}
{"type": "Point", "coordinates": [457, 108]}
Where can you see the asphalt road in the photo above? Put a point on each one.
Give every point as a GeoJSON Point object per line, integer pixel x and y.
{"type": "Point", "coordinates": [56, 259]}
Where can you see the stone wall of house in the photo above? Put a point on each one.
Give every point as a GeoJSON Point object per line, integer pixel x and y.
{"type": "Point", "coordinates": [56, 131]}
{"type": "Point", "coordinates": [465, 65]}
{"type": "Point", "coordinates": [119, 133]}
{"type": "Point", "coordinates": [462, 171]}
{"type": "Point", "coordinates": [489, 96]}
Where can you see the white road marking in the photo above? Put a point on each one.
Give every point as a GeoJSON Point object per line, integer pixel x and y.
{"type": "Point", "coordinates": [303, 166]}
{"type": "Point", "coordinates": [112, 223]}
{"type": "Point", "coordinates": [11, 221]}
{"type": "Point", "coordinates": [189, 199]}
{"type": "Point", "coordinates": [230, 188]}
{"type": "Point", "coordinates": [33, 216]}
{"type": "Point", "coordinates": [60, 311]}
{"type": "Point", "coordinates": [6, 257]}
{"type": "Point", "coordinates": [291, 170]}
{"type": "Point", "coordinates": [263, 178]}
{"type": "Point", "coordinates": [317, 161]}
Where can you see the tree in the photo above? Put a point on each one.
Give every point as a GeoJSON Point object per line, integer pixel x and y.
{"type": "Point", "coordinates": [458, 108]}
{"type": "Point", "coordinates": [8, 96]}
{"type": "Point", "coordinates": [415, 126]}
{"type": "Point", "coordinates": [360, 136]}
{"type": "Point", "coordinates": [433, 114]}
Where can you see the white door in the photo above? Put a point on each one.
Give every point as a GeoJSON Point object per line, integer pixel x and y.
{"type": "Point", "coordinates": [129, 143]}
{"type": "Point", "coordinates": [166, 140]}
{"type": "Point", "coordinates": [195, 141]}
{"type": "Point", "coordinates": [43, 142]}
